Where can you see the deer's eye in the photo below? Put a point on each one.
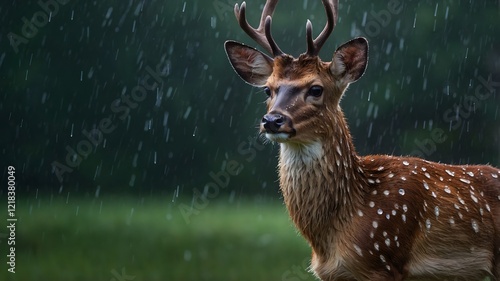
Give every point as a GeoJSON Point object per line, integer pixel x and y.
{"type": "Point", "coordinates": [315, 91]}
{"type": "Point", "coordinates": [267, 91]}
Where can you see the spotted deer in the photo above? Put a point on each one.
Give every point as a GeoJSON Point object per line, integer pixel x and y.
{"type": "Point", "coordinates": [375, 217]}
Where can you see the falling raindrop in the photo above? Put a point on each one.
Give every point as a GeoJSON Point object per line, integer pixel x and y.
{"type": "Point", "coordinates": [132, 180]}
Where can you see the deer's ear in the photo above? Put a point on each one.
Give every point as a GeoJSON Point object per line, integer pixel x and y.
{"type": "Point", "coordinates": [252, 66]}
{"type": "Point", "coordinates": [350, 60]}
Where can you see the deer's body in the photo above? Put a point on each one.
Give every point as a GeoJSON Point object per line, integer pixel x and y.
{"type": "Point", "coordinates": [381, 230]}
{"type": "Point", "coordinates": [366, 218]}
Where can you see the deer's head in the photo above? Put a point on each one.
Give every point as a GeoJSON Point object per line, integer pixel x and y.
{"type": "Point", "coordinates": [304, 92]}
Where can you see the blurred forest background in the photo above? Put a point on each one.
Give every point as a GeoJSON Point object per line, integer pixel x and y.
{"type": "Point", "coordinates": [111, 107]}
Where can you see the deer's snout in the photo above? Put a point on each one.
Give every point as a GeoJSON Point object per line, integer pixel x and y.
{"type": "Point", "coordinates": [273, 122]}
{"type": "Point", "coordinates": [277, 126]}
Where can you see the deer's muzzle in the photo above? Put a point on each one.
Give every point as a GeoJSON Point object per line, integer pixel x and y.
{"type": "Point", "coordinates": [277, 127]}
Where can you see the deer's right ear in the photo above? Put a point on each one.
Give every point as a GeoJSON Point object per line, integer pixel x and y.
{"type": "Point", "coordinates": [253, 66]}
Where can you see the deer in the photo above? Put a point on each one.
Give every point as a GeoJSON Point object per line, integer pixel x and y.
{"type": "Point", "coordinates": [375, 217]}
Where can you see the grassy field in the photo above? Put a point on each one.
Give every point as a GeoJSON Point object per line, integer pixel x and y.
{"type": "Point", "coordinates": [121, 239]}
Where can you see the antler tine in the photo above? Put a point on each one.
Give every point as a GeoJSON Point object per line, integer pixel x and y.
{"type": "Point", "coordinates": [262, 34]}
{"type": "Point", "coordinates": [314, 46]}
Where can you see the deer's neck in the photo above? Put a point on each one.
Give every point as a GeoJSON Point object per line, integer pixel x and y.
{"type": "Point", "coordinates": [322, 184]}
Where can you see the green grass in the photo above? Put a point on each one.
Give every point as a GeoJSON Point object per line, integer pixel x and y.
{"type": "Point", "coordinates": [148, 238]}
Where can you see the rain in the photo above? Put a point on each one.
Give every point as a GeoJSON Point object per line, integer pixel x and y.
{"type": "Point", "coordinates": [133, 147]}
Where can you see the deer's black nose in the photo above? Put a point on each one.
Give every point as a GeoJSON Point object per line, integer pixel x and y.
{"type": "Point", "coordinates": [272, 122]}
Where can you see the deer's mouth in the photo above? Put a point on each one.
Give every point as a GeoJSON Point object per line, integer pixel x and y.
{"type": "Point", "coordinates": [278, 137]}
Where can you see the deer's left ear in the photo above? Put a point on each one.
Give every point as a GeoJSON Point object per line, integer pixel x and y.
{"type": "Point", "coordinates": [350, 60]}
{"type": "Point", "coordinates": [253, 66]}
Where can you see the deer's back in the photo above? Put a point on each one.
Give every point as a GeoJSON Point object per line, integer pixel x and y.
{"type": "Point", "coordinates": [423, 219]}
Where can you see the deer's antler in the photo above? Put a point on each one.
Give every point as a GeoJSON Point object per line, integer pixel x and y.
{"type": "Point", "coordinates": [262, 34]}
{"type": "Point", "coordinates": [314, 46]}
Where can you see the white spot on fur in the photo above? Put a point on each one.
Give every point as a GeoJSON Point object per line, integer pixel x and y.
{"type": "Point", "coordinates": [436, 211]}
{"type": "Point", "coordinates": [426, 186]}
{"type": "Point", "coordinates": [403, 178]}
{"type": "Point", "coordinates": [379, 211]}
{"type": "Point", "coordinates": [450, 173]}
{"type": "Point", "coordinates": [474, 198]}
{"type": "Point", "coordinates": [447, 189]}
{"type": "Point", "coordinates": [391, 175]}
{"type": "Point", "coordinates": [488, 208]}
{"type": "Point", "coordinates": [465, 181]}
{"type": "Point", "coordinates": [376, 246]}
{"type": "Point", "coordinates": [470, 174]}
{"type": "Point", "coordinates": [461, 200]}
{"type": "Point", "coordinates": [427, 175]}
{"type": "Point", "coordinates": [371, 204]}
{"type": "Point", "coordinates": [406, 163]}
{"type": "Point", "coordinates": [405, 208]}
{"type": "Point", "coordinates": [401, 191]}
{"type": "Point", "coordinates": [388, 242]}
{"type": "Point", "coordinates": [494, 175]}
{"type": "Point", "coordinates": [375, 224]}
{"type": "Point", "coordinates": [360, 213]}
{"type": "Point", "coordinates": [358, 250]}
{"type": "Point", "coordinates": [371, 181]}
{"type": "Point", "coordinates": [403, 217]}
{"type": "Point", "coordinates": [475, 226]}
{"type": "Point", "coordinates": [428, 224]}
{"type": "Point", "coordinates": [386, 192]}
